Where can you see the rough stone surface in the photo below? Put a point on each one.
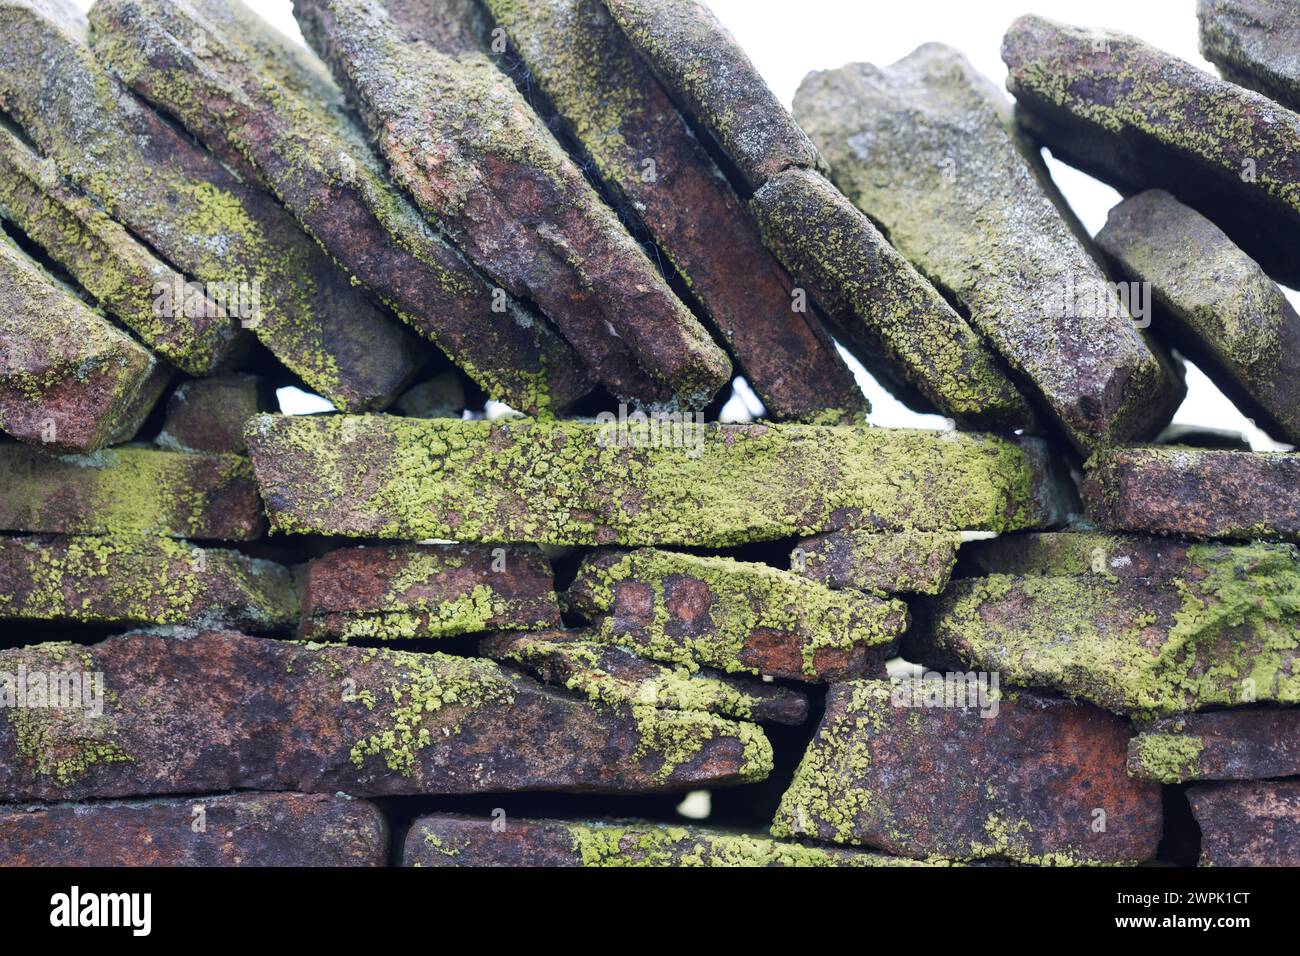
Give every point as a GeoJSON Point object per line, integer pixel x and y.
{"type": "Point", "coordinates": [195, 213]}
{"type": "Point", "coordinates": [701, 63]}
{"type": "Point", "coordinates": [583, 483]}
{"type": "Point", "coordinates": [442, 396]}
{"type": "Point", "coordinates": [1216, 304]}
{"type": "Point", "coordinates": [255, 100]}
{"type": "Point", "coordinates": [1139, 118]}
{"type": "Point", "coordinates": [186, 713]}
{"type": "Point", "coordinates": [108, 262]}
{"type": "Point", "coordinates": [1224, 631]}
{"type": "Point", "coordinates": [926, 148]}
{"type": "Point", "coordinates": [208, 414]}
{"type": "Point", "coordinates": [736, 616]}
{"type": "Point", "coordinates": [1254, 43]}
{"type": "Point", "coordinates": [1204, 493]}
{"type": "Point", "coordinates": [1248, 824]}
{"type": "Point", "coordinates": [69, 380]}
{"type": "Point", "coordinates": [481, 164]}
{"type": "Point", "coordinates": [645, 152]}
{"type": "Point", "coordinates": [427, 591]}
{"type": "Point", "coordinates": [579, 661]}
{"type": "Point", "coordinates": [1247, 744]}
{"type": "Point", "coordinates": [1028, 783]}
{"type": "Point", "coordinates": [896, 323]}
{"type": "Point", "coordinates": [445, 839]}
{"type": "Point", "coordinates": [246, 829]}
{"type": "Point", "coordinates": [133, 579]}
{"type": "Point", "coordinates": [916, 562]}
{"type": "Point", "coordinates": [131, 491]}
{"type": "Point", "coordinates": [1113, 556]}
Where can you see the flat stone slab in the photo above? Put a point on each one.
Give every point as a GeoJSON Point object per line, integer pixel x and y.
{"type": "Point", "coordinates": [445, 839]}
{"type": "Point", "coordinates": [109, 263]}
{"type": "Point", "coordinates": [1204, 493]}
{"type": "Point", "coordinates": [138, 580]}
{"type": "Point", "coordinates": [895, 322]}
{"type": "Point", "coordinates": [1112, 556]}
{"type": "Point", "coordinates": [258, 102]}
{"type": "Point", "coordinates": [910, 562]}
{"type": "Point", "coordinates": [1034, 780]}
{"type": "Point", "coordinates": [197, 215]}
{"type": "Point", "coordinates": [598, 483]}
{"type": "Point", "coordinates": [926, 148]}
{"type": "Point", "coordinates": [579, 661]}
{"type": "Point", "coordinates": [711, 77]}
{"type": "Point", "coordinates": [1216, 304]}
{"type": "Point", "coordinates": [1225, 631]}
{"type": "Point", "coordinates": [245, 829]}
{"type": "Point", "coordinates": [1248, 824]}
{"type": "Point", "coordinates": [1254, 44]}
{"type": "Point", "coordinates": [1139, 118]}
{"type": "Point", "coordinates": [645, 152]}
{"type": "Point", "coordinates": [217, 711]}
{"type": "Point", "coordinates": [129, 491]}
{"type": "Point", "coordinates": [1246, 744]}
{"type": "Point", "coordinates": [426, 591]}
{"type": "Point", "coordinates": [208, 414]}
{"type": "Point", "coordinates": [738, 617]}
{"type": "Point", "coordinates": [485, 169]}
{"type": "Point", "coordinates": [69, 380]}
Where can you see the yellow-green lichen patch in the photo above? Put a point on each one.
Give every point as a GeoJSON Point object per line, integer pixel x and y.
{"type": "Point", "coordinates": [675, 738]}
{"type": "Point", "coordinates": [1167, 758]}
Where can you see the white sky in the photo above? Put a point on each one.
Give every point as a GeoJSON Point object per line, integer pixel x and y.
{"type": "Point", "coordinates": [788, 38]}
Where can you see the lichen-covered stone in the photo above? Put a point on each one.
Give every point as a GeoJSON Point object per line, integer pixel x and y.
{"type": "Point", "coordinates": [426, 591]}
{"type": "Point", "coordinates": [911, 562]}
{"type": "Point", "coordinates": [257, 101]}
{"type": "Point", "coordinates": [197, 215]}
{"type": "Point", "coordinates": [592, 483]}
{"type": "Point", "coordinates": [738, 617]}
{"type": "Point", "coordinates": [1246, 744]}
{"type": "Point", "coordinates": [484, 168]}
{"type": "Point", "coordinates": [132, 580]}
{"type": "Point", "coordinates": [926, 148]}
{"type": "Point", "coordinates": [1205, 493]}
{"type": "Point", "coordinates": [208, 414]}
{"type": "Point", "coordinates": [1139, 118]}
{"type": "Point", "coordinates": [108, 262]}
{"type": "Point", "coordinates": [645, 152]}
{"type": "Point", "coordinates": [129, 491]}
{"type": "Point", "coordinates": [244, 829]}
{"type": "Point", "coordinates": [445, 839]}
{"type": "Point", "coordinates": [1034, 780]}
{"type": "Point", "coordinates": [1255, 823]}
{"type": "Point", "coordinates": [1112, 556]}
{"type": "Point", "coordinates": [1216, 304]}
{"type": "Point", "coordinates": [216, 711]}
{"type": "Point", "coordinates": [1224, 631]}
{"type": "Point", "coordinates": [69, 380]}
{"type": "Point", "coordinates": [895, 322]}
{"type": "Point", "coordinates": [581, 662]}
{"type": "Point", "coordinates": [703, 66]}
{"type": "Point", "coordinates": [1255, 44]}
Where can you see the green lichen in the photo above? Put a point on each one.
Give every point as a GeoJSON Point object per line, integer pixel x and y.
{"type": "Point", "coordinates": [677, 737]}
{"type": "Point", "coordinates": [743, 600]}
{"type": "Point", "coordinates": [570, 483]}
{"type": "Point", "coordinates": [1230, 637]}
{"type": "Point", "coordinates": [1167, 758]}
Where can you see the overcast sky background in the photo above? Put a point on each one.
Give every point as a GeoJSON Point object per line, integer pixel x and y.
{"type": "Point", "coordinates": [786, 39]}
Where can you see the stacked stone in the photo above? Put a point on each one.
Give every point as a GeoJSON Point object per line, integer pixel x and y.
{"type": "Point", "coordinates": [230, 631]}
